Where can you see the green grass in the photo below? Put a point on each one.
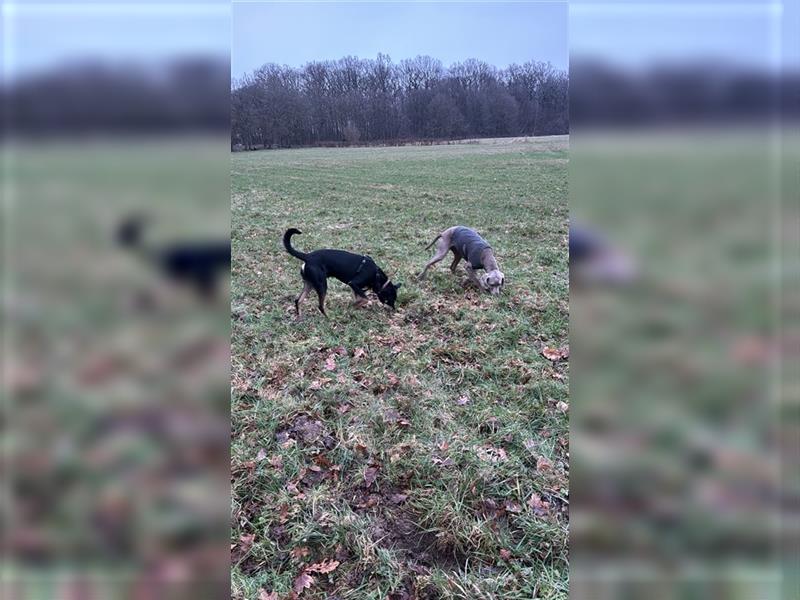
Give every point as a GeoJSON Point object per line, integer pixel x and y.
{"type": "Point", "coordinates": [411, 447]}
{"type": "Point", "coordinates": [682, 386]}
{"type": "Point", "coordinates": [90, 367]}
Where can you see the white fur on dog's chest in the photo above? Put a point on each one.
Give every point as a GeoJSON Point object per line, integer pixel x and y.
{"type": "Point", "coordinates": [303, 268]}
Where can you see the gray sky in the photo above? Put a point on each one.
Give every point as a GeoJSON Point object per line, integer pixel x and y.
{"type": "Point", "coordinates": [760, 33]}
{"type": "Point", "coordinates": [42, 34]}
{"type": "Point", "coordinates": [39, 35]}
{"type": "Point", "coordinates": [496, 32]}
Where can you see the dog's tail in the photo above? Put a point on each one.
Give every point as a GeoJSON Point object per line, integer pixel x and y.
{"type": "Point", "coordinates": [287, 243]}
{"type": "Point", "coordinates": [433, 242]}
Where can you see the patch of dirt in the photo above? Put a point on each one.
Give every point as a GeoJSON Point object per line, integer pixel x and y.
{"type": "Point", "coordinates": [422, 549]}
{"type": "Point", "coordinates": [308, 431]}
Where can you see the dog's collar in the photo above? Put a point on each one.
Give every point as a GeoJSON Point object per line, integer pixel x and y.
{"type": "Point", "coordinates": [388, 281]}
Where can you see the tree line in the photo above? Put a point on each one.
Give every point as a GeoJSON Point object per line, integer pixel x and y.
{"type": "Point", "coordinates": [87, 97]}
{"type": "Point", "coordinates": [604, 94]}
{"type": "Point", "coordinates": [354, 100]}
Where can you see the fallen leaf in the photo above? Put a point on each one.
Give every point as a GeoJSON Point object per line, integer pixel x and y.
{"type": "Point", "coordinates": [491, 454]}
{"type": "Point", "coordinates": [326, 566]}
{"type": "Point", "coordinates": [276, 460]}
{"type": "Point", "coordinates": [283, 513]}
{"type": "Point", "coordinates": [265, 595]}
{"type": "Point", "coordinates": [246, 541]}
{"type": "Point", "coordinates": [323, 461]}
{"type": "Point", "coordinates": [552, 353]}
{"type": "Point", "coordinates": [262, 454]}
{"type": "Point", "coordinates": [463, 400]}
{"type": "Point", "coordinates": [370, 501]}
{"type": "Point", "coordinates": [539, 506]}
{"type": "Point", "coordinates": [444, 446]}
{"type": "Point", "coordinates": [303, 581]}
{"type": "Point", "coordinates": [563, 406]}
{"type": "Point", "coordinates": [330, 363]}
{"type": "Point", "coordinates": [299, 552]}
{"type": "Point", "coordinates": [398, 498]}
{"type": "Point", "coordinates": [370, 474]}
{"type": "Point", "coordinates": [358, 353]}
{"type": "Point", "coordinates": [512, 507]}
{"type": "Point", "coordinates": [542, 464]}
{"type": "Point", "coordinates": [505, 554]}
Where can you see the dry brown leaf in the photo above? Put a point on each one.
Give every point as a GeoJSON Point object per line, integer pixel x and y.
{"type": "Point", "coordinates": [330, 363]}
{"type": "Point", "coordinates": [283, 513]}
{"type": "Point", "coordinates": [262, 454]}
{"type": "Point", "coordinates": [299, 552]}
{"type": "Point", "coordinates": [563, 406]}
{"type": "Point", "coordinates": [246, 541]}
{"type": "Point", "coordinates": [370, 474]}
{"type": "Point", "coordinates": [491, 454]}
{"type": "Point", "coordinates": [542, 464]}
{"type": "Point", "coordinates": [552, 353]}
{"type": "Point", "coordinates": [463, 400]}
{"type": "Point", "coordinates": [276, 460]}
{"type": "Point", "coordinates": [398, 498]}
{"type": "Point", "coordinates": [358, 353]}
{"type": "Point", "coordinates": [505, 554]}
{"type": "Point", "coordinates": [538, 505]}
{"type": "Point", "coordinates": [265, 595]}
{"type": "Point", "coordinates": [303, 581]}
{"type": "Point", "coordinates": [326, 566]}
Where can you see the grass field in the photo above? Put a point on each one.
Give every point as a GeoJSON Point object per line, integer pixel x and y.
{"type": "Point", "coordinates": [115, 411]}
{"type": "Point", "coordinates": [415, 454]}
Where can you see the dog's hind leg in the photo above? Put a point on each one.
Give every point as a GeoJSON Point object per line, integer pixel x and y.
{"type": "Point", "coordinates": [307, 287]}
{"type": "Point", "coordinates": [456, 260]}
{"type": "Point", "coordinates": [441, 252]}
{"type": "Point", "coordinates": [322, 290]}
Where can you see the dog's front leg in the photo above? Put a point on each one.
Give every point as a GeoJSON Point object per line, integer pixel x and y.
{"type": "Point", "coordinates": [359, 297]}
{"type": "Point", "coordinates": [472, 277]}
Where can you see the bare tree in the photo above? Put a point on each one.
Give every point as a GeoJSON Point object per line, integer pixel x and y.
{"type": "Point", "coordinates": [353, 100]}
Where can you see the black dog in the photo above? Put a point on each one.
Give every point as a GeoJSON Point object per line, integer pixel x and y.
{"type": "Point", "coordinates": [357, 271]}
{"type": "Point", "coordinates": [195, 263]}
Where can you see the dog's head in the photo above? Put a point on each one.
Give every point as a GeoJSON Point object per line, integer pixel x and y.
{"type": "Point", "coordinates": [493, 281]}
{"type": "Point", "coordinates": [388, 293]}
{"type": "Point", "coordinates": [129, 230]}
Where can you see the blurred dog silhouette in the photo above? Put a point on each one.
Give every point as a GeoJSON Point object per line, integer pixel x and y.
{"type": "Point", "coordinates": [593, 260]}
{"type": "Point", "coordinates": [198, 264]}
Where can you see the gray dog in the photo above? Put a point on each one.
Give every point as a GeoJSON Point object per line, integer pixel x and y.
{"type": "Point", "coordinates": [466, 243]}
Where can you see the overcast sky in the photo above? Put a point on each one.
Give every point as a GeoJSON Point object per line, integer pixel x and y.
{"type": "Point", "coordinates": [499, 33]}
{"type": "Point", "coordinates": [760, 33]}
{"type": "Point", "coordinates": [39, 34]}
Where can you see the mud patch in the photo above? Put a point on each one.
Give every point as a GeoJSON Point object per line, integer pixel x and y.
{"type": "Point", "coordinates": [308, 431]}
{"type": "Point", "coordinates": [422, 549]}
